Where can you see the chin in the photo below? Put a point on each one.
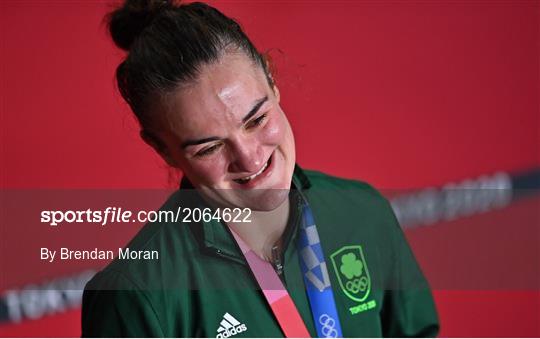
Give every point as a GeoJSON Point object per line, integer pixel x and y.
{"type": "Point", "coordinates": [263, 200]}
{"type": "Point", "coordinates": [255, 199]}
{"type": "Point", "coordinates": [266, 193]}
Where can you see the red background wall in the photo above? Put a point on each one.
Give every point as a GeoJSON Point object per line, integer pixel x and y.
{"type": "Point", "coordinates": [399, 94]}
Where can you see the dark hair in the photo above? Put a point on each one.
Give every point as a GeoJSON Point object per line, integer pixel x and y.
{"type": "Point", "coordinates": [167, 44]}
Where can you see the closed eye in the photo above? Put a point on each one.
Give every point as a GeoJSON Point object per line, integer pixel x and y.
{"type": "Point", "coordinates": [256, 122]}
{"type": "Point", "coordinates": [208, 151]}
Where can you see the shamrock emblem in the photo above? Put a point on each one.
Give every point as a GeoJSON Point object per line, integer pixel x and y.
{"type": "Point", "coordinates": [351, 266]}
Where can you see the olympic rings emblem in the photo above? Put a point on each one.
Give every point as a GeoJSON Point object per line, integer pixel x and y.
{"type": "Point", "coordinates": [328, 326]}
{"type": "Point", "coordinates": [357, 285]}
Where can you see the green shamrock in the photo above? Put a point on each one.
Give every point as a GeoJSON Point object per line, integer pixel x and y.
{"type": "Point", "coordinates": [350, 266]}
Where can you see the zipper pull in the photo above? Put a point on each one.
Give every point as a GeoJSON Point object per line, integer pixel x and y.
{"type": "Point", "coordinates": [276, 260]}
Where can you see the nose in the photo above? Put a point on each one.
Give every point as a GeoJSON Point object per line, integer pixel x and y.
{"type": "Point", "coordinates": [246, 156]}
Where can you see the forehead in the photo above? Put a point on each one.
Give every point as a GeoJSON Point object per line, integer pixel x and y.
{"type": "Point", "coordinates": [222, 95]}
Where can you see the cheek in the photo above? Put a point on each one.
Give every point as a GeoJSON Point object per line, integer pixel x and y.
{"type": "Point", "coordinates": [206, 172]}
{"type": "Point", "coordinates": [275, 131]}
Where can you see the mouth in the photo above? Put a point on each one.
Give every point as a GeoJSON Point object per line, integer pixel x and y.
{"type": "Point", "coordinates": [246, 180]}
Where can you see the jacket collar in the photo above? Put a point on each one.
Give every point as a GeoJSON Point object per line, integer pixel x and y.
{"type": "Point", "coordinates": [214, 238]}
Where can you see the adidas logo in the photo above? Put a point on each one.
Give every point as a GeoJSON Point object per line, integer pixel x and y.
{"type": "Point", "coordinates": [229, 326]}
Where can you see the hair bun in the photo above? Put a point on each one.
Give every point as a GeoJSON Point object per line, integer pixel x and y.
{"type": "Point", "coordinates": [127, 22]}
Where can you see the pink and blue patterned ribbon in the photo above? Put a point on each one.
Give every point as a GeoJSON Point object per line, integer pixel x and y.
{"type": "Point", "coordinates": [316, 279]}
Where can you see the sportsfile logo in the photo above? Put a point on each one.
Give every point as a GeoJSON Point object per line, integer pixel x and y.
{"type": "Point", "coordinates": [229, 326]}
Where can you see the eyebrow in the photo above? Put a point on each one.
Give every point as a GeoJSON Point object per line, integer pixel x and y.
{"type": "Point", "coordinates": [255, 108]}
{"type": "Point", "coordinates": [251, 113]}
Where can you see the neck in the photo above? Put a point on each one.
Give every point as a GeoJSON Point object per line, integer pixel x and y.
{"type": "Point", "coordinates": [265, 229]}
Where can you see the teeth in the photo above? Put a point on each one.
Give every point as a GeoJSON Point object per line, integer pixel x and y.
{"type": "Point", "coordinates": [256, 174]}
{"type": "Point", "coordinates": [246, 179]}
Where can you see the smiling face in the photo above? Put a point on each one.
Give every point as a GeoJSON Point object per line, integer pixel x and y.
{"type": "Point", "coordinates": [228, 134]}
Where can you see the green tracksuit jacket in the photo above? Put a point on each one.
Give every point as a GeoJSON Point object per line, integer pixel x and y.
{"type": "Point", "coordinates": [201, 285]}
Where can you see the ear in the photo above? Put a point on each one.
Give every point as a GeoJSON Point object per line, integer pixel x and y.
{"type": "Point", "coordinates": [270, 77]}
{"type": "Point", "coordinates": [276, 92]}
{"type": "Point", "coordinates": [159, 147]}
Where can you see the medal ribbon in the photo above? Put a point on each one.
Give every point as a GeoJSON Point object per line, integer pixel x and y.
{"type": "Point", "coordinates": [316, 280]}
{"type": "Point", "coordinates": [276, 295]}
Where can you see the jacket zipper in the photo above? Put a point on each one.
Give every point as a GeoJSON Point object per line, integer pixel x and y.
{"type": "Point", "coordinates": [277, 261]}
